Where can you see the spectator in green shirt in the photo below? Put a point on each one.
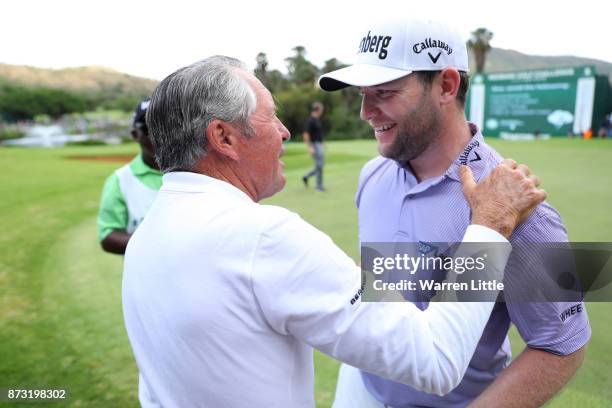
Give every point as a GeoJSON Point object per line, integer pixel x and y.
{"type": "Point", "coordinates": [129, 191]}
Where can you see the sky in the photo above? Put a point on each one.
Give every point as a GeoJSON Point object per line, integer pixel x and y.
{"type": "Point", "coordinates": [153, 39]}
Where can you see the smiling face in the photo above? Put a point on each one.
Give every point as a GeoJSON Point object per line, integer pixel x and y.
{"type": "Point", "coordinates": [405, 118]}
{"type": "Point", "coordinates": [263, 149]}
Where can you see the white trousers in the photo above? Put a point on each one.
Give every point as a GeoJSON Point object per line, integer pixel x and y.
{"type": "Point", "coordinates": [350, 391]}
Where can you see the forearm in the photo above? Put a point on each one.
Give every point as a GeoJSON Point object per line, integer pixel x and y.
{"type": "Point", "coordinates": [429, 350]}
{"type": "Point", "coordinates": [533, 378]}
{"type": "Point", "coordinates": [116, 242]}
{"type": "Point", "coordinates": [306, 137]}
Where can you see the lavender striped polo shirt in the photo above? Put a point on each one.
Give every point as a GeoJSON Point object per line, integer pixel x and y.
{"type": "Point", "coordinates": [394, 207]}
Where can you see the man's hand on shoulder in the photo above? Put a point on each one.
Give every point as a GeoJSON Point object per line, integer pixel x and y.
{"type": "Point", "coordinates": [503, 199]}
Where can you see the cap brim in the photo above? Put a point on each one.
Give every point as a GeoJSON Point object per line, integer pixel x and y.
{"type": "Point", "coordinates": [359, 75]}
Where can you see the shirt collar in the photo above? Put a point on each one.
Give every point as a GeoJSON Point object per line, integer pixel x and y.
{"type": "Point", "coordinates": [188, 182]}
{"type": "Point", "coordinates": [474, 155]}
{"type": "Point", "coordinates": [140, 168]}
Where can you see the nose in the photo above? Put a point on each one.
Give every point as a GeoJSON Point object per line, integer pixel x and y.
{"type": "Point", "coordinates": [284, 132]}
{"type": "Point", "coordinates": [368, 107]}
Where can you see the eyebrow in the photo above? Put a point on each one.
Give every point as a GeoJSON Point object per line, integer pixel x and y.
{"type": "Point", "coordinates": [379, 88]}
{"type": "Point", "coordinates": [388, 87]}
{"type": "Point", "coordinates": [394, 85]}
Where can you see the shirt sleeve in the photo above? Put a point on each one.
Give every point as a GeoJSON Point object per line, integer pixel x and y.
{"type": "Point", "coordinates": [308, 288]}
{"type": "Point", "coordinates": [113, 213]}
{"type": "Point", "coordinates": [557, 327]}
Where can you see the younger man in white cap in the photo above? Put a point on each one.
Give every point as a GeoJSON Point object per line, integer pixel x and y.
{"type": "Point", "coordinates": [413, 79]}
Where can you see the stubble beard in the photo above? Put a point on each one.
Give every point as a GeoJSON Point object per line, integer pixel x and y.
{"type": "Point", "coordinates": [416, 132]}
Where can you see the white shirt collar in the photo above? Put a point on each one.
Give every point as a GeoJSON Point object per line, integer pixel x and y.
{"type": "Point", "coordinates": [182, 181]}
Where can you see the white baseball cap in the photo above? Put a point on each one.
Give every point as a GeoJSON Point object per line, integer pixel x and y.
{"type": "Point", "coordinates": [392, 49]}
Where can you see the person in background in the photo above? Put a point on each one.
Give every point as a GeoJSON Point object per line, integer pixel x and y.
{"type": "Point", "coordinates": [129, 191]}
{"type": "Point", "coordinates": [606, 127]}
{"type": "Point", "coordinates": [313, 137]}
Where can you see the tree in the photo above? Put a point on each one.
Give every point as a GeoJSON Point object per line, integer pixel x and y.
{"type": "Point", "coordinates": [301, 71]}
{"type": "Point", "coordinates": [479, 43]}
{"type": "Point", "coordinates": [277, 81]}
{"type": "Point", "coordinates": [21, 102]}
{"type": "Point", "coordinates": [331, 64]}
{"type": "Point", "coordinates": [274, 80]}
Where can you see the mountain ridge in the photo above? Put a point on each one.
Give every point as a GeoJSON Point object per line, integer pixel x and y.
{"type": "Point", "coordinates": [100, 79]}
{"type": "Point", "coordinates": [94, 79]}
{"type": "Point", "coordinates": [503, 60]}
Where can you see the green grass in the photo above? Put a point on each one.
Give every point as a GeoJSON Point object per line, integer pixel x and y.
{"type": "Point", "coordinates": [60, 307]}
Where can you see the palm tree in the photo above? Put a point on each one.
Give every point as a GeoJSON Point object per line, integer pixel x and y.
{"type": "Point", "coordinates": [479, 43]}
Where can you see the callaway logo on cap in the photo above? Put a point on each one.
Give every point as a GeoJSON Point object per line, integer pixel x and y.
{"type": "Point", "coordinates": [393, 49]}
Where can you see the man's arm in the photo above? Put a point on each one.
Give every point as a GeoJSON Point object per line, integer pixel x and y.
{"type": "Point", "coordinates": [317, 298]}
{"type": "Point", "coordinates": [533, 378]}
{"type": "Point", "coordinates": [537, 375]}
{"type": "Point", "coordinates": [306, 137]}
{"type": "Point", "coordinates": [496, 200]}
{"type": "Point", "coordinates": [113, 218]}
{"type": "Point", "coordinates": [116, 242]}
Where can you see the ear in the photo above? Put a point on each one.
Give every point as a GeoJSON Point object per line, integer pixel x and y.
{"type": "Point", "coordinates": [223, 139]}
{"type": "Point", "coordinates": [449, 84]}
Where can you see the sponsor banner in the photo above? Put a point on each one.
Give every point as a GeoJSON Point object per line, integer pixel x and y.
{"type": "Point", "coordinates": [466, 272]}
{"type": "Point", "coordinates": [538, 103]}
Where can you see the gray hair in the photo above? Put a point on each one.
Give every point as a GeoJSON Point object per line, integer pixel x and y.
{"type": "Point", "coordinates": [183, 105]}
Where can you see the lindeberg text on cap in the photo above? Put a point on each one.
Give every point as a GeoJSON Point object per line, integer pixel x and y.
{"type": "Point", "coordinates": [393, 49]}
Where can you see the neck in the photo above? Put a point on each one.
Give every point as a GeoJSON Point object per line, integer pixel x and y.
{"type": "Point", "coordinates": [454, 135]}
{"type": "Point", "coordinates": [149, 160]}
{"type": "Point", "coordinates": [222, 169]}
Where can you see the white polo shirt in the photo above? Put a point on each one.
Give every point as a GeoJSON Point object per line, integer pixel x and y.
{"type": "Point", "coordinates": [224, 299]}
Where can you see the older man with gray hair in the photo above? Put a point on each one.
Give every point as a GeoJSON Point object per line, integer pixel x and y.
{"type": "Point", "coordinates": [225, 298]}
